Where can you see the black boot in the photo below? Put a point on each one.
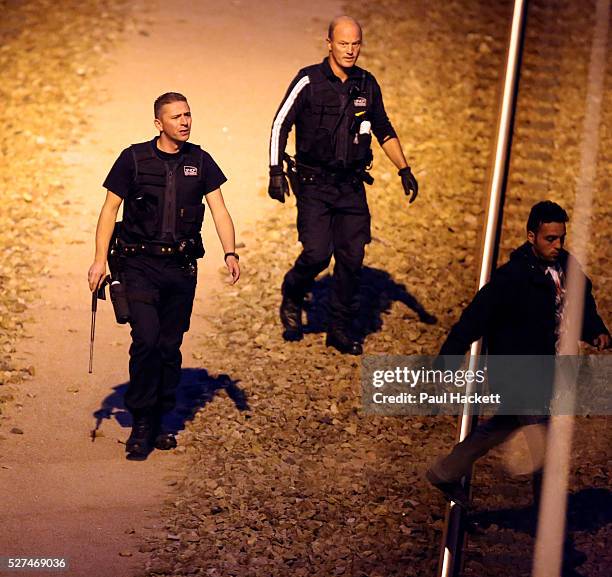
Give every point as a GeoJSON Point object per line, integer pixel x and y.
{"type": "Point", "coordinates": [140, 442]}
{"type": "Point", "coordinates": [164, 439]}
{"type": "Point", "coordinates": [343, 343]}
{"type": "Point", "coordinates": [291, 317]}
{"type": "Point", "coordinates": [452, 490]}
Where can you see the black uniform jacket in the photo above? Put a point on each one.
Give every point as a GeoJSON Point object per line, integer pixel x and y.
{"type": "Point", "coordinates": [515, 311]}
{"type": "Point", "coordinates": [333, 119]}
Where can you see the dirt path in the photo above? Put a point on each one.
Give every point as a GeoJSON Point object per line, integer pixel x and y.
{"type": "Point", "coordinates": [64, 496]}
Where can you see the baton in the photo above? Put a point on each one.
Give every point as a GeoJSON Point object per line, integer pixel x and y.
{"type": "Point", "coordinates": [95, 295]}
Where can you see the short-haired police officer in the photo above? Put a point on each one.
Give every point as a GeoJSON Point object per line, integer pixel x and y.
{"type": "Point", "coordinates": [335, 107]}
{"type": "Point", "coordinates": [162, 183]}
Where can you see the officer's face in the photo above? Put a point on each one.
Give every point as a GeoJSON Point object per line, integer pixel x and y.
{"type": "Point", "coordinates": [175, 121]}
{"type": "Point", "coordinates": [345, 44]}
{"type": "Point", "coordinates": [548, 241]}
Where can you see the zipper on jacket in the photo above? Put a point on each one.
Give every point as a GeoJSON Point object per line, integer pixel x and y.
{"type": "Point", "coordinates": [169, 210]}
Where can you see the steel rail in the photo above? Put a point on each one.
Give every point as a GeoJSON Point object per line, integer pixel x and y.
{"type": "Point", "coordinates": [452, 541]}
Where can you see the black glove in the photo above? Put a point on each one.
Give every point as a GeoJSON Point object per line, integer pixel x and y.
{"type": "Point", "coordinates": [278, 187]}
{"type": "Point", "coordinates": [410, 184]}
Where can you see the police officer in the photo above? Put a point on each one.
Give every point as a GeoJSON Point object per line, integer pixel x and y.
{"type": "Point", "coordinates": [162, 182]}
{"type": "Point", "coordinates": [335, 106]}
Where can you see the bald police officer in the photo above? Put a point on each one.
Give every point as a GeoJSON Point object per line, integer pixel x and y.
{"type": "Point", "coordinates": [162, 183]}
{"type": "Point", "coordinates": [335, 107]}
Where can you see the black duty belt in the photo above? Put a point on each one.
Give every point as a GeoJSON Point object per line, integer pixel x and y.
{"type": "Point", "coordinates": [187, 247]}
{"type": "Point", "coordinates": [308, 174]}
{"type": "Point", "coordinates": [316, 174]}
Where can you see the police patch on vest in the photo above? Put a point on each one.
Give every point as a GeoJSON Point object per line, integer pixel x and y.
{"type": "Point", "coordinates": [361, 101]}
{"type": "Point", "coordinates": [190, 170]}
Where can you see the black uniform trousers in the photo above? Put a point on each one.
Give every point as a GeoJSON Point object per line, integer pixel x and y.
{"type": "Point", "coordinates": [332, 218]}
{"type": "Point", "coordinates": [160, 293]}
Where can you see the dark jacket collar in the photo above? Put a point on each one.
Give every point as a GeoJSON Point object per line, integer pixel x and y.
{"type": "Point", "coordinates": [524, 254]}
{"type": "Point", "coordinates": [353, 72]}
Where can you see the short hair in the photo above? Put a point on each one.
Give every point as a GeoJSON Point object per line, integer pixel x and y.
{"type": "Point", "coordinates": [337, 20]}
{"type": "Point", "coordinates": [166, 98]}
{"type": "Point", "coordinates": [545, 211]}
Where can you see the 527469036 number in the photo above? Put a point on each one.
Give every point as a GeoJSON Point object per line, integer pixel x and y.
{"type": "Point", "coordinates": [30, 563]}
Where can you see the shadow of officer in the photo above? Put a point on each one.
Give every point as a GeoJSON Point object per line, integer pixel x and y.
{"type": "Point", "coordinates": [197, 389]}
{"type": "Point", "coordinates": [377, 293]}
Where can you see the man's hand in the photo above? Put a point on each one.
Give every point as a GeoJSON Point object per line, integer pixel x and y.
{"type": "Point", "coordinates": [410, 184]}
{"type": "Point", "coordinates": [278, 187]}
{"type": "Point", "coordinates": [231, 262]}
{"type": "Point", "coordinates": [602, 341]}
{"type": "Point", "coordinates": [96, 275]}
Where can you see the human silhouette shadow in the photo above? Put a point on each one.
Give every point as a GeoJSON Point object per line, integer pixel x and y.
{"type": "Point", "coordinates": [377, 292]}
{"type": "Point", "coordinates": [196, 389]}
{"type": "Point", "coordinates": [587, 510]}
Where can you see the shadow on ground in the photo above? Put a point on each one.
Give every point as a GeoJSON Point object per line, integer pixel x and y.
{"type": "Point", "coordinates": [378, 291]}
{"type": "Point", "coordinates": [196, 389]}
{"type": "Point", "coordinates": [587, 510]}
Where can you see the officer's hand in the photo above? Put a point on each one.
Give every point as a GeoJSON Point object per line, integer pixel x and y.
{"type": "Point", "coordinates": [602, 342]}
{"type": "Point", "coordinates": [278, 187]}
{"type": "Point", "coordinates": [96, 274]}
{"type": "Point", "coordinates": [231, 262]}
{"type": "Point", "coordinates": [410, 184]}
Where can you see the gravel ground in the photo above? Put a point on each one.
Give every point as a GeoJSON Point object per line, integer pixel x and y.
{"type": "Point", "coordinates": [286, 474]}
{"type": "Point", "coordinates": [50, 56]}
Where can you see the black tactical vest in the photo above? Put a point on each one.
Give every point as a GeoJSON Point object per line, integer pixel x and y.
{"type": "Point", "coordinates": [330, 132]}
{"type": "Point", "coordinates": [165, 202]}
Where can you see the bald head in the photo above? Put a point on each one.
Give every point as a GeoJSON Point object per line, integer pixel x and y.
{"type": "Point", "coordinates": [344, 21]}
{"type": "Point", "coordinates": [344, 44]}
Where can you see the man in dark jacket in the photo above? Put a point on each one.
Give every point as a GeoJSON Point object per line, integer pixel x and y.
{"type": "Point", "coordinates": [518, 313]}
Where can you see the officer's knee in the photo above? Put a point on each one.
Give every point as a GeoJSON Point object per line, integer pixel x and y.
{"type": "Point", "coordinates": [144, 342]}
{"type": "Point", "coordinates": [350, 257]}
{"type": "Point", "coordinates": [316, 257]}
{"type": "Point", "coordinates": [144, 321]}
{"type": "Point", "coordinates": [169, 346]}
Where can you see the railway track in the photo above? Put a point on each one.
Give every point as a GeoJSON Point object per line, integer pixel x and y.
{"type": "Point", "coordinates": [544, 164]}
{"type": "Point", "coordinates": [545, 153]}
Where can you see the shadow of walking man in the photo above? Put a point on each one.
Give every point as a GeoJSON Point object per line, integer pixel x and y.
{"type": "Point", "coordinates": [588, 510]}
{"type": "Point", "coordinates": [378, 291]}
{"type": "Point", "coordinates": [196, 389]}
